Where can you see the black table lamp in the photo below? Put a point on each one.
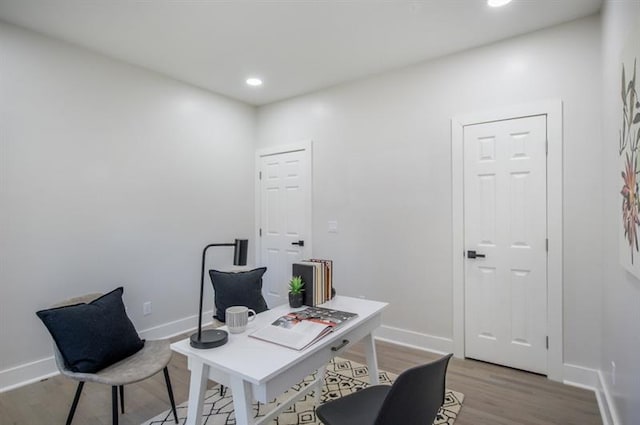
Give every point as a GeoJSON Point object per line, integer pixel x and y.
{"type": "Point", "coordinates": [210, 338]}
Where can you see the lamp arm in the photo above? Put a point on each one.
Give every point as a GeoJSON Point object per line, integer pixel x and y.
{"type": "Point", "coordinates": [204, 255]}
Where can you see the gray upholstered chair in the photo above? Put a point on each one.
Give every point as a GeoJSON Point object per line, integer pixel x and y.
{"type": "Point", "coordinates": [415, 397]}
{"type": "Point", "coordinates": [151, 359]}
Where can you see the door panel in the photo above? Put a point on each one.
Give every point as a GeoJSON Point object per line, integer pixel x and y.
{"type": "Point", "coordinates": [284, 197]}
{"type": "Point", "coordinates": [505, 220]}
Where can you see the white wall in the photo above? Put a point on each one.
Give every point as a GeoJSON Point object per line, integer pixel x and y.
{"type": "Point", "coordinates": [110, 175]}
{"type": "Point", "coordinates": [621, 291]}
{"type": "Point", "coordinates": [382, 168]}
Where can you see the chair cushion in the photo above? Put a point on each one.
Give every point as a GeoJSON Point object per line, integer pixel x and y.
{"type": "Point", "coordinates": [238, 288]}
{"type": "Point", "coordinates": [92, 336]}
{"type": "Point", "coordinates": [154, 356]}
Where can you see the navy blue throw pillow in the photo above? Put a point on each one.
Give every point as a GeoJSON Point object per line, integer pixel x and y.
{"type": "Point", "coordinates": [93, 336]}
{"type": "Point", "coordinates": [238, 288]}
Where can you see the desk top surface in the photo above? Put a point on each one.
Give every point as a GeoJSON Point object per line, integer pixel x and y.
{"type": "Point", "coordinates": [257, 360]}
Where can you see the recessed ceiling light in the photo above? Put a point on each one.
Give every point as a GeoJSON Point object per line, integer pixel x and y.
{"type": "Point", "coordinates": [255, 82]}
{"type": "Point", "coordinates": [498, 3]}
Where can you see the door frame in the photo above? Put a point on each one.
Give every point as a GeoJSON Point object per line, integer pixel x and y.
{"type": "Point", "coordinates": [553, 110]}
{"type": "Point", "coordinates": [306, 146]}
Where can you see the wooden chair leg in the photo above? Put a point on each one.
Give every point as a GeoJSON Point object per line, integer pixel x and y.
{"type": "Point", "coordinates": [122, 399]}
{"type": "Point", "coordinates": [76, 398]}
{"type": "Point", "coordinates": [114, 404]}
{"type": "Point", "coordinates": [170, 390]}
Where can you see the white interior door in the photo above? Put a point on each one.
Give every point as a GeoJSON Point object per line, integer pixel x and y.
{"type": "Point", "coordinates": [285, 218]}
{"type": "Point", "coordinates": [505, 221]}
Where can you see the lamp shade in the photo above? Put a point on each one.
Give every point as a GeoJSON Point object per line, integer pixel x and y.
{"type": "Point", "coordinates": [240, 252]}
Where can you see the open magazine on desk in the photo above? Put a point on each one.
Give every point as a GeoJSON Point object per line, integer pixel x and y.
{"type": "Point", "coordinates": [299, 329]}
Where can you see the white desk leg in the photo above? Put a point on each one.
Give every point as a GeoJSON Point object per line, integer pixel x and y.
{"type": "Point", "coordinates": [242, 400]}
{"type": "Point", "coordinates": [197, 388]}
{"type": "Point", "coordinates": [320, 373]}
{"type": "Point", "coordinates": [372, 359]}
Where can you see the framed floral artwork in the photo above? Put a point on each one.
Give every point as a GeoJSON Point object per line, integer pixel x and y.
{"type": "Point", "coordinates": [629, 152]}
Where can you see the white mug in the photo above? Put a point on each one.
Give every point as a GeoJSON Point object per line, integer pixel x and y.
{"type": "Point", "coordinates": [237, 318]}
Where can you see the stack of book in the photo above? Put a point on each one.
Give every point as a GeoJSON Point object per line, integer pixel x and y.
{"type": "Point", "coordinates": [317, 276]}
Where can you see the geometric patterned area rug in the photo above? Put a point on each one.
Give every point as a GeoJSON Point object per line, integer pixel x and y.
{"type": "Point", "coordinates": [343, 377]}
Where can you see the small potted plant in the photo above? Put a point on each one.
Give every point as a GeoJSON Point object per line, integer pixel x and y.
{"type": "Point", "coordinates": [296, 286]}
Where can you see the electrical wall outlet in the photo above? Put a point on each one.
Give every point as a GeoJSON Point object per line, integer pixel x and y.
{"type": "Point", "coordinates": [146, 308]}
{"type": "Point", "coordinates": [332, 226]}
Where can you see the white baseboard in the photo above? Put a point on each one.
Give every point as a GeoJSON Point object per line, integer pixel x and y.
{"type": "Point", "coordinates": [35, 371]}
{"type": "Point", "coordinates": [606, 403]}
{"type": "Point", "coordinates": [593, 379]}
{"type": "Point", "coordinates": [27, 373]}
{"type": "Point", "coordinates": [177, 327]}
{"type": "Point", "coordinates": [581, 377]}
{"type": "Point", "coordinates": [414, 339]}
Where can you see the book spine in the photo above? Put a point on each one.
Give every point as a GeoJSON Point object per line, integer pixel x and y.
{"type": "Point", "coordinates": [327, 278]}
{"type": "Point", "coordinates": [307, 272]}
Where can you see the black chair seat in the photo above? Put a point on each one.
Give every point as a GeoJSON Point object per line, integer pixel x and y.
{"type": "Point", "coordinates": [414, 398]}
{"type": "Point", "coordinates": [359, 408]}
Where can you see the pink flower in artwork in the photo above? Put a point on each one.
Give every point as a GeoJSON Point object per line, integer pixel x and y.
{"type": "Point", "coordinates": [630, 201]}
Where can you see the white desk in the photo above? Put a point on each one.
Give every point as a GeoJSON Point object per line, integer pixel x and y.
{"type": "Point", "coordinates": [259, 370]}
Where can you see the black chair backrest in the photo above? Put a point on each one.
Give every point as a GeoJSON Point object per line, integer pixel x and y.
{"type": "Point", "coordinates": [416, 395]}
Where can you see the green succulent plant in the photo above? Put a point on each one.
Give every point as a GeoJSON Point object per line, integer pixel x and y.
{"type": "Point", "coordinates": [296, 285]}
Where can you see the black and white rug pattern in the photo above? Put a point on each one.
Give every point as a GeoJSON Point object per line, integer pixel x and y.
{"type": "Point", "coordinates": [343, 377]}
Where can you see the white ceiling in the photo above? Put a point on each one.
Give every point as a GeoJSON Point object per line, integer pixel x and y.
{"type": "Point", "coordinates": [294, 46]}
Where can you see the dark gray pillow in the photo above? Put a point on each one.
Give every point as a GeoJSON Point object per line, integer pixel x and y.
{"type": "Point", "coordinates": [93, 336]}
{"type": "Point", "coordinates": [238, 288]}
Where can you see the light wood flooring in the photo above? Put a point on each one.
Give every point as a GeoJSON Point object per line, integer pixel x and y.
{"type": "Point", "coordinates": [494, 395]}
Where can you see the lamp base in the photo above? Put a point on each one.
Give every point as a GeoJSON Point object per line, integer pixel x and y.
{"type": "Point", "coordinates": [209, 338]}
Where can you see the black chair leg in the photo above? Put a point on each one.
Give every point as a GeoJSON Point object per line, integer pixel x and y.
{"type": "Point", "coordinates": [223, 390]}
{"type": "Point", "coordinates": [122, 399]}
{"type": "Point", "coordinates": [114, 404]}
{"type": "Point", "coordinates": [76, 398]}
{"type": "Point", "coordinates": [170, 390]}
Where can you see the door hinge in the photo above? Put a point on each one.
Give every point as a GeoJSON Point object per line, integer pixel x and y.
{"type": "Point", "coordinates": [260, 232]}
{"type": "Point", "coordinates": [259, 175]}
{"type": "Point", "coordinates": [546, 244]}
{"type": "Point", "coordinates": [547, 343]}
